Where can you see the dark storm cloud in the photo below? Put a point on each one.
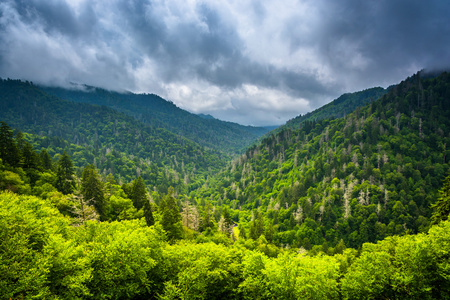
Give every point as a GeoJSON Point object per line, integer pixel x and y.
{"type": "Point", "coordinates": [247, 61]}
{"type": "Point", "coordinates": [386, 36]}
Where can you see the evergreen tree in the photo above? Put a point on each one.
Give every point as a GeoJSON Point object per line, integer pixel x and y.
{"type": "Point", "coordinates": [138, 193]}
{"type": "Point", "coordinates": [65, 182]}
{"type": "Point", "coordinates": [30, 159]}
{"type": "Point", "coordinates": [441, 209]}
{"type": "Point", "coordinates": [207, 218]}
{"type": "Point", "coordinates": [92, 189]}
{"type": "Point", "coordinates": [9, 152]}
{"type": "Point", "coordinates": [46, 160]}
{"type": "Point", "coordinates": [148, 214]}
{"type": "Point", "coordinates": [30, 162]}
{"type": "Point", "coordinates": [171, 217]}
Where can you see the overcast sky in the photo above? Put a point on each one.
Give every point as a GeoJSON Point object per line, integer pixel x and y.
{"type": "Point", "coordinates": [253, 62]}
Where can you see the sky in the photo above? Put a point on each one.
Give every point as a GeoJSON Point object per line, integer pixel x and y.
{"type": "Point", "coordinates": [254, 62]}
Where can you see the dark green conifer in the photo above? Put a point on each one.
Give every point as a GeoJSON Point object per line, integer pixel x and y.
{"type": "Point", "coordinates": [138, 193]}
{"type": "Point", "coordinates": [9, 152]}
{"type": "Point", "coordinates": [171, 217]}
{"type": "Point", "coordinates": [148, 214]}
{"type": "Point", "coordinates": [46, 160]}
{"type": "Point", "coordinates": [92, 189]}
{"type": "Point", "coordinates": [441, 209]}
{"type": "Point", "coordinates": [65, 181]}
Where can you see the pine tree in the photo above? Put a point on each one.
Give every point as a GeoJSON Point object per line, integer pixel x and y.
{"type": "Point", "coordinates": [207, 218]}
{"type": "Point", "coordinates": [92, 189]}
{"type": "Point", "coordinates": [171, 217]}
{"type": "Point", "coordinates": [30, 159]}
{"type": "Point", "coordinates": [138, 193]}
{"type": "Point", "coordinates": [46, 160]}
{"type": "Point", "coordinates": [441, 209]}
{"type": "Point", "coordinates": [9, 152]}
{"type": "Point", "coordinates": [65, 182]}
{"type": "Point", "coordinates": [148, 214]}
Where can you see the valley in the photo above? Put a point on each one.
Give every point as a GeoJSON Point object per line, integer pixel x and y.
{"type": "Point", "coordinates": [126, 196]}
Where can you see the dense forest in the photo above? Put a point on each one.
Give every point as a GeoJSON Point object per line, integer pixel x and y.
{"type": "Point", "coordinates": [227, 137]}
{"type": "Point", "coordinates": [357, 179]}
{"type": "Point", "coordinates": [338, 108]}
{"type": "Point", "coordinates": [95, 204]}
{"type": "Point", "coordinates": [112, 141]}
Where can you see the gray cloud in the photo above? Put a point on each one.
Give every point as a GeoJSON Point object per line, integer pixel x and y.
{"type": "Point", "coordinates": [253, 62]}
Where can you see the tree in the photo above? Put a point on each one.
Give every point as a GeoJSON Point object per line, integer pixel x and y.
{"type": "Point", "coordinates": [83, 210]}
{"type": "Point", "coordinates": [207, 217]}
{"type": "Point", "coordinates": [92, 189]}
{"type": "Point", "coordinates": [148, 214]}
{"type": "Point", "coordinates": [65, 182]}
{"type": "Point", "coordinates": [46, 160]}
{"type": "Point", "coordinates": [138, 193]}
{"type": "Point", "coordinates": [441, 209]}
{"type": "Point", "coordinates": [9, 151]}
{"type": "Point", "coordinates": [171, 217]}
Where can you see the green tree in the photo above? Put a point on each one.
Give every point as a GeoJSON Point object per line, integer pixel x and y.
{"type": "Point", "coordinates": [441, 209]}
{"type": "Point", "coordinates": [46, 160]}
{"type": "Point", "coordinates": [207, 221]}
{"type": "Point", "coordinates": [9, 151]}
{"type": "Point", "coordinates": [171, 217]}
{"type": "Point", "coordinates": [138, 193]}
{"type": "Point", "coordinates": [65, 180]}
{"type": "Point", "coordinates": [92, 189]}
{"type": "Point", "coordinates": [148, 214]}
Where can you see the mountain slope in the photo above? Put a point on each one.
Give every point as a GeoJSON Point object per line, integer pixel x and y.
{"type": "Point", "coordinates": [153, 110]}
{"type": "Point", "coordinates": [360, 178]}
{"type": "Point", "coordinates": [112, 141]}
{"type": "Point", "coordinates": [339, 107]}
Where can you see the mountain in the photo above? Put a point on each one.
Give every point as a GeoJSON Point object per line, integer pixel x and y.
{"type": "Point", "coordinates": [355, 179]}
{"type": "Point", "coordinates": [339, 107]}
{"type": "Point", "coordinates": [110, 140]}
{"type": "Point", "coordinates": [251, 231]}
{"type": "Point", "coordinates": [228, 137]}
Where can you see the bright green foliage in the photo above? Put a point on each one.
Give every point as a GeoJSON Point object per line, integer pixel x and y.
{"type": "Point", "coordinates": [202, 271]}
{"type": "Point", "coordinates": [290, 276]}
{"type": "Point", "coordinates": [413, 267]}
{"type": "Point", "coordinates": [121, 208]}
{"type": "Point", "coordinates": [31, 254]}
{"type": "Point", "coordinates": [65, 180]}
{"type": "Point", "coordinates": [442, 206]}
{"type": "Point", "coordinates": [43, 257]}
{"type": "Point", "coordinates": [124, 257]}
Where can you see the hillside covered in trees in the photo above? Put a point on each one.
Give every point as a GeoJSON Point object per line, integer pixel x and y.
{"type": "Point", "coordinates": [227, 137]}
{"type": "Point", "coordinates": [350, 180]}
{"type": "Point", "coordinates": [96, 205]}
{"type": "Point", "coordinates": [112, 141]}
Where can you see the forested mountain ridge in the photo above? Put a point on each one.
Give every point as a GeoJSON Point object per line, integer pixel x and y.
{"type": "Point", "coordinates": [357, 179]}
{"type": "Point", "coordinates": [324, 187]}
{"type": "Point", "coordinates": [112, 141]}
{"type": "Point", "coordinates": [231, 138]}
{"type": "Point", "coordinates": [338, 108]}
